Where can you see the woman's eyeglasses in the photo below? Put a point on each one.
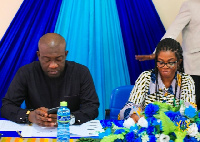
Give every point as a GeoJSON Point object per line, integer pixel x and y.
{"type": "Point", "coordinates": [161, 64]}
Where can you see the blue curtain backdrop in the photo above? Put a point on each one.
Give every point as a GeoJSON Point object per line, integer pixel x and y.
{"type": "Point", "coordinates": [19, 44]}
{"type": "Point", "coordinates": [141, 30]}
{"type": "Point", "coordinates": [103, 35]}
{"type": "Point", "coordinates": [93, 34]}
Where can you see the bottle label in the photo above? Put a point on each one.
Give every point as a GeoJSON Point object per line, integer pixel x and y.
{"type": "Point", "coordinates": [63, 119]}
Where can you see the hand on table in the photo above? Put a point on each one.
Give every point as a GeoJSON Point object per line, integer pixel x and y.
{"type": "Point", "coordinates": [135, 117]}
{"type": "Point", "coordinates": [145, 57]}
{"type": "Point", "coordinates": [41, 117]}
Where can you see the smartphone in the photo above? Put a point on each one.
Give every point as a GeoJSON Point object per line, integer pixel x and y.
{"type": "Point", "coordinates": [53, 110]}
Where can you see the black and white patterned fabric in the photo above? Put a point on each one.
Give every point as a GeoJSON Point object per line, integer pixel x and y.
{"type": "Point", "coordinates": [144, 92]}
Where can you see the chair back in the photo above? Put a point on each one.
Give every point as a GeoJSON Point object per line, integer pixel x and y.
{"type": "Point", "coordinates": [118, 99]}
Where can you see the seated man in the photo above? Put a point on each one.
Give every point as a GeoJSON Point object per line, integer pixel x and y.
{"type": "Point", "coordinates": [45, 83]}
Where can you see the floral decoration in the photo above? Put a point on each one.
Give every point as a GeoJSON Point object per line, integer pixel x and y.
{"type": "Point", "coordinates": [161, 123]}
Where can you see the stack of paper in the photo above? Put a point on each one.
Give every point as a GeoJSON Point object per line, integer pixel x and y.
{"type": "Point", "coordinates": [91, 128]}
{"type": "Point", "coordinates": [7, 125]}
{"type": "Point", "coordinates": [88, 129]}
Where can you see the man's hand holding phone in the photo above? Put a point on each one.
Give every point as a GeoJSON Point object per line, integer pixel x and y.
{"type": "Point", "coordinates": [41, 117]}
{"type": "Point", "coordinates": [53, 114]}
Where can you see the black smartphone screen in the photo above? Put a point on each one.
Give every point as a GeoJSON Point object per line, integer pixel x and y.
{"type": "Point", "coordinates": [53, 110]}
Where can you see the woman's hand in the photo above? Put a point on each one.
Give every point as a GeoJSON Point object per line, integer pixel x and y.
{"type": "Point", "coordinates": [135, 117]}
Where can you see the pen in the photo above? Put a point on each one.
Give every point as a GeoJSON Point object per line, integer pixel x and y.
{"type": "Point", "coordinates": [19, 134]}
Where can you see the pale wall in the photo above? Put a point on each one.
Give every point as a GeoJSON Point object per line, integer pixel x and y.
{"type": "Point", "coordinates": [167, 9]}
{"type": "Point", "coordinates": [8, 9]}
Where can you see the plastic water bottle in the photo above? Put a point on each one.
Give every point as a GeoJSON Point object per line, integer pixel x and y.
{"type": "Point", "coordinates": [63, 118]}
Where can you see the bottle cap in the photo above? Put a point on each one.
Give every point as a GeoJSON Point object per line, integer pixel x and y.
{"type": "Point", "coordinates": [63, 103]}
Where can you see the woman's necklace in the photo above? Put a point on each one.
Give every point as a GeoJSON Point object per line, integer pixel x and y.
{"type": "Point", "coordinates": [158, 90]}
{"type": "Point", "coordinates": [165, 92]}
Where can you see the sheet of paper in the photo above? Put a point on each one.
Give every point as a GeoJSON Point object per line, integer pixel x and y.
{"type": "Point", "coordinates": [38, 131]}
{"type": "Point", "coordinates": [91, 128]}
{"type": "Point", "coordinates": [6, 125]}
{"type": "Point", "coordinates": [27, 131]}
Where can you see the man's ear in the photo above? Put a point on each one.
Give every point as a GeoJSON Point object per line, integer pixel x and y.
{"type": "Point", "coordinates": [66, 52]}
{"type": "Point", "coordinates": [38, 53]}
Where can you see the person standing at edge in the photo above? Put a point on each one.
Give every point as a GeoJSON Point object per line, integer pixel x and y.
{"type": "Point", "coordinates": [45, 83]}
{"type": "Point", "coordinates": [187, 21]}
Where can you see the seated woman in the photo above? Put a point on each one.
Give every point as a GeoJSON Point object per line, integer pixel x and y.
{"type": "Point", "coordinates": [166, 83]}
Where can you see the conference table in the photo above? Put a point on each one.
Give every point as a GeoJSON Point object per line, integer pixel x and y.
{"type": "Point", "coordinates": [13, 136]}
{"type": "Point", "coordinates": [16, 139]}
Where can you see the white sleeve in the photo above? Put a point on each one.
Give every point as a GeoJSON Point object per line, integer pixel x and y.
{"type": "Point", "coordinates": [181, 21]}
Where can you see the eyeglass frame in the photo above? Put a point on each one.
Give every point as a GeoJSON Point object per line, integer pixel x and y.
{"type": "Point", "coordinates": [166, 64]}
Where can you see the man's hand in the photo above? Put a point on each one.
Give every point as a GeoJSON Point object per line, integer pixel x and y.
{"type": "Point", "coordinates": [145, 57]}
{"type": "Point", "coordinates": [54, 119]}
{"type": "Point", "coordinates": [41, 117]}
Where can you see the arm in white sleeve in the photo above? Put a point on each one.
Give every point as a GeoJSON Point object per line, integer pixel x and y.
{"type": "Point", "coordinates": [181, 21]}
